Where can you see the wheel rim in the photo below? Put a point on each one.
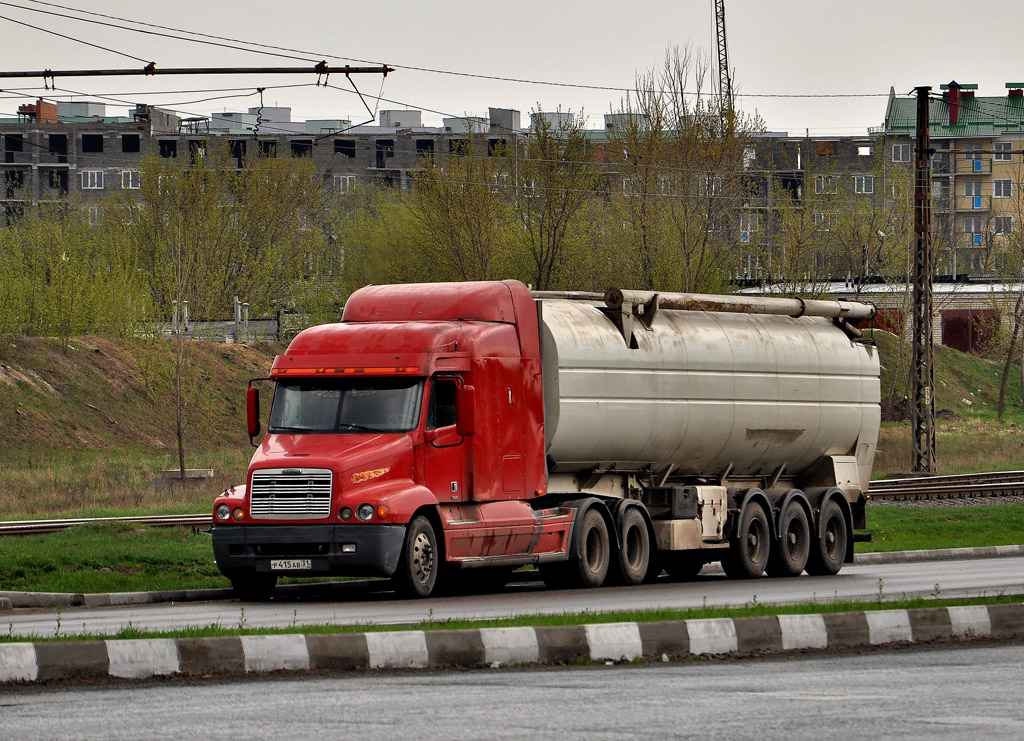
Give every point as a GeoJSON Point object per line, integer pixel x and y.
{"type": "Point", "coordinates": [422, 558]}
{"type": "Point", "coordinates": [832, 537]}
{"type": "Point", "coordinates": [796, 538]}
{"type": "Point", "coordinates": [756, 541]}
{"type": "Point", "coordinates": [633, 545]}
{"type": "Point", "coordinates": [595, 555]}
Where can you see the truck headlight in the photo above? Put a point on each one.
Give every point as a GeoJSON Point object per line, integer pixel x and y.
{"type": "Point", "coordinates": [223, 512]}
{"type": "Point", "coordinates": [364, 512]}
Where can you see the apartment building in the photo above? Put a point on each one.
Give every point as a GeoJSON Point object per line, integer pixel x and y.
{"type": "Point", "coordinates": [977, 171]}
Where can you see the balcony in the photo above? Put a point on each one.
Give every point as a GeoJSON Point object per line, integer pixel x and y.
{"type": "Point", "coordinates": [980, 166]}
{"type": "Point", "coordinates": [974, 203]}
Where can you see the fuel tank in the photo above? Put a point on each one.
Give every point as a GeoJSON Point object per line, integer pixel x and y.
{"type": "Point", "coordinates": [697, 393]}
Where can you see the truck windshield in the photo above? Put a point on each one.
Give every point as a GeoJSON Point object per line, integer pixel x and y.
{"type": "Point", "coordinates": [346, 405]}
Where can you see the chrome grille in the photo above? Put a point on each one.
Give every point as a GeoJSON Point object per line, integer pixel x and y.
{"type": "Point", "coordinates": [290, 493]}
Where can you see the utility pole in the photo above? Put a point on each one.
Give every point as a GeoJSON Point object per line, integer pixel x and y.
{"type": "Point", "coordinates": [922, 413]}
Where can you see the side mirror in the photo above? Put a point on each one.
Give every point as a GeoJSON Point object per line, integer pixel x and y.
{"type": "Point", "coordinates": [252, 411]}
{"type": "Point", "coordinates": [465, 410]}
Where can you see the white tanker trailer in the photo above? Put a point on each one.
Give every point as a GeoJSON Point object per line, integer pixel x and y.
{"type": "Point", "coordinates": [443, 428]}
{"type": "Point", "coordinates": [746, 427]}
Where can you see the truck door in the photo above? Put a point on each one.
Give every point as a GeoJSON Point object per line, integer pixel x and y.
{"type": "Point", "coordinates": [446, 453]}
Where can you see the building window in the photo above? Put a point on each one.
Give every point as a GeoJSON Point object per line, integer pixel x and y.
{"type": "Point", "coordinates": [901, 153]}
{"type": "Point", "coordinates": [168, 148]}
{"type": "Point", "coordinates": [749, 155]}
{"type": "Point", "coordinates": [711, 186]}
{"type": "Point", "coordinates": [196, 150]}
{"type": "Point", "coordinates": [268, 148]}
{"type": "Point", "coordinates": [92, 143]}
{"type": "Point", "coordinates": [14, 142]}
{"type": "Point", "coordinates": [864, 184]}
{"type": "Point", "coordinates": [1002, 188]}
{"type": "Point", "coordinates": [1003, 151]}
{"type": "Point", "coordinates": [970, 152]}
{"type": "Point", "coordinates": [59, 181]}
{"type": "Point", "coordinates": [346, 147]}
{"type": "Point", "coordinates": [94, 215]}
{"type": "Point", "coordinates": [972, 188]}
{"type": "Point", "coordinates": [129, 142]}
{"type": "Point", "coordinates": [496, 147]}
{"type": "Point", "coordinates": [92, 179]}
{"type": "Point", "coordinates": [130, 180]}
{"type": "Point", "coordinates": [302, 148]}
{"type": "Point", "coordinates": [342, 183]}
{"type": "Point", "coordinates": [864, 150]}
{"type": "Point", "coordinates": [425, 147]}
{"type": "Point", "coordinates": [748, 226]}
{"type": "Point", "coordinates": [826, 184]}
{"type": "Point", "coordinates": [1002, 224]}
{"type": "Point", "coordinates": [385, 149]}
{"type": "Point", "coordinates": [972, 225]}
{"type": "Point", "coordinates": [822, 221]}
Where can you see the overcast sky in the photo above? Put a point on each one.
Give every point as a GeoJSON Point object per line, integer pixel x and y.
{"type": "Point", "coordinates": [780, 53]}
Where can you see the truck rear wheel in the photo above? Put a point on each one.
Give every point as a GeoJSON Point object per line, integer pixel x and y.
{"type": "Point", "coordinates": [829, 548]}
{"type": "Point", "coordinates": [588, 564]}
{"type": "Point", "coordinates": [748, 552]}
{"type": "Point", "coordinates": [793, 545]}
{"type": "Point", "coordinates": [418, 565]}
{"type": "Point", "coordinates": [253, 586]}
{"type": "Point", "coordinates": [634, 556]}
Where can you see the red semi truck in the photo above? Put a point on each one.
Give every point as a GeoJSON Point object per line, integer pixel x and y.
{"type": "Point", "coordinates": [445, 432]}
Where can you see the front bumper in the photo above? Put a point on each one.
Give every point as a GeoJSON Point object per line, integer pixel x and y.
{"type": "Point", "coordinates": [252, 547]}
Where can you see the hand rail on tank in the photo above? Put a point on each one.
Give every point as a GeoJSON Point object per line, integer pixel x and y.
{"type": "Point", "coordinates": [851, 311]}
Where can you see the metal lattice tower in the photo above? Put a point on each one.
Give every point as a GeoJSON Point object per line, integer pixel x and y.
{"type": "Point", "coordinates": [724, 83]}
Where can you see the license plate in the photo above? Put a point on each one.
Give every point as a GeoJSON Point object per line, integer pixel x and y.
{"type": "Point", "coordinates": [290, 564]}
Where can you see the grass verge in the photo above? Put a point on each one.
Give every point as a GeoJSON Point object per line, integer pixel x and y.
{"type": "Point", "coordinates": [754, 609]}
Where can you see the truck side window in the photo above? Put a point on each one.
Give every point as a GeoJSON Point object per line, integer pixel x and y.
{"type": "Point", "coordinates": [441, 412]}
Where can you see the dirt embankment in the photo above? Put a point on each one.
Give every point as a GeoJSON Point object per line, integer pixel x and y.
{"type": "Point", "coordinates": [108, 393]}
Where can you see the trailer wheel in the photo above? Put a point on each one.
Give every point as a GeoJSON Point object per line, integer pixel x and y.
{"type": "Point", "coordinates": [253, 586]}
{"type": "Point", "coordinates": [793, 545]}
{"type": "Point", "coordinates": [418, 566]}
{"type": "Point", "coordinates": [829, 549]}
{"type": "Point", "coordinates": [748, 552]}
{"type": "Point", "coordinates": [634, 555]}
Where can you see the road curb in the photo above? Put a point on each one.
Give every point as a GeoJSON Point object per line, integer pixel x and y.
{"type": "Point", "coordinates": [501, 647]}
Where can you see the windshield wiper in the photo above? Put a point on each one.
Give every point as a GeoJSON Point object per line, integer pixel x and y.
{"type": "Point", "coordinates": [360, 428]}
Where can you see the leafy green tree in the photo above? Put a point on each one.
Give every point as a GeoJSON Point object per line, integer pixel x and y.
{"type": "Point", "coordinates": [461, 215]}
{"type": "Point", "coordinates": [551, 184]}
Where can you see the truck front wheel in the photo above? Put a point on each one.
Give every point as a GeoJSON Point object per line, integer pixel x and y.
{"type": "Point", "coordinates": [418, 565]}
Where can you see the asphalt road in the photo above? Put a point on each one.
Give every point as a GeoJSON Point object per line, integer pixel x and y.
{"type": "Point", "coordinates": [354, 604]}
{"type": "Point", "coordinates": [943, 693]}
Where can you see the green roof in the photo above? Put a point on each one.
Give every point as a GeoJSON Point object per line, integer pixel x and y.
{"type": "Point", "coordinates": [980, 117]}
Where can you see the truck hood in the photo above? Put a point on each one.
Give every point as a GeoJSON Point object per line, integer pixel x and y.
{"type": "Point", "coordinates": [340, 453]}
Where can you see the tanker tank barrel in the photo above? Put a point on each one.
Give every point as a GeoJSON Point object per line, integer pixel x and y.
{"type": "Point", "coordinates": [852, 311]}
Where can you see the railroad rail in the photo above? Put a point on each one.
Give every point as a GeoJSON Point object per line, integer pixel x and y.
{"type": "Point", "coordinates": [41, 527]}
{"type": "Point", "coordinates": [961, 486]}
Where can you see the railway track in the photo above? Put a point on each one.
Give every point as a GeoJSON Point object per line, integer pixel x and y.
{"type": "Point", "coordinates": [965, 486]}
{"type": "Point", "coordinates": [41, 527]}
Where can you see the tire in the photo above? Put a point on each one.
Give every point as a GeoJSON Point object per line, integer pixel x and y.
{"type": "Point", "coordinates": [634, 553]}
{"type": "Point", "coordinates": [682, 566]}
{"type": "Point", "coordinates": [792, 546]}
{"type": "Point", "coordinates": [829, 549]}
{"type": "Point", "coordinates": [749, 550]}
{"type": "Point", "coordinates": [253, 586]}
{"type": "Point", "coordinates": [419, 563]}
{"type": "Point", "coordinates": [588, 564]}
